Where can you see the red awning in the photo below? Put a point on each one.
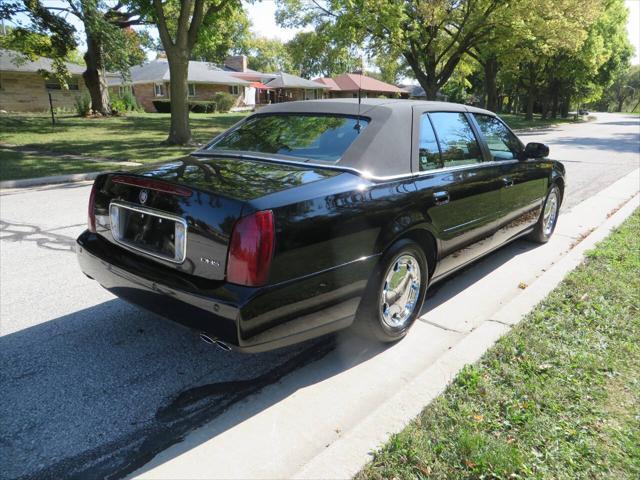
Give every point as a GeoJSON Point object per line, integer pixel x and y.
{"type": "Point", "coordinates": [260, 86]}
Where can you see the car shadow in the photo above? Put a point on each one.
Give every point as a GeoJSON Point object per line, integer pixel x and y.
{"type": "Point", "coordinates": [99, 392]}
{"type": "Point", "coordinates": [467, 276]}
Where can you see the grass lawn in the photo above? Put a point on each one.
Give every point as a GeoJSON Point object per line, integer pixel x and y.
{"type": "Point", "coordinates": [557, 397]}
{"type": "Point", "coordinates": [17, 165]}
{"type": "Point", "coordinates": [136, 137]}
{"type": "Point", "coordinates": [518, 121]}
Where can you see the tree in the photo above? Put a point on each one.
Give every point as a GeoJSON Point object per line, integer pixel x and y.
{"type": "Point", "coordinates": [179, 25]}
{"type": "Point", "coordinates": [223, 34]}
{"type": "Point", "coordinates": [315, 54]}
{"type": "Point", "coordinates": [268, 55]}
{"type": "Point", "coordinates": [626, 86]}
{"type": "Point", "coordinates": [108, 36]}
{"type": "Point", "coordinates": [431, 36]}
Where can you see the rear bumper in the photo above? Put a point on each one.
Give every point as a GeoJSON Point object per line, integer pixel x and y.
{"type": "Point", "coordinates": [248, 319]}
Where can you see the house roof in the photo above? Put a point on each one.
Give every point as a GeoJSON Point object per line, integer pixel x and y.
{"type": "Point", "coordinates": [329, 82]}
{"type": "Point", "coordinates": [11, 61]}
{"type": "Point", "coordinates": [415, 91]}
{"type": "Point", "coordinates": [287, 80]}
{"type": "Point", "coordinates": [352, 82]}
{"type": "Point", "coordinates": [199, 72]}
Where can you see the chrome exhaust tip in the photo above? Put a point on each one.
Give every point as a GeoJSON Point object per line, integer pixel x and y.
{"type": "Point", "coordinates": [214, 341]}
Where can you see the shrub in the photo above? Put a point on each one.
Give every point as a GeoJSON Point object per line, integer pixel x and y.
{"type": "Point", "coordinates": [118, 106]}
{"type": "Point", "coordinates": [130, 102]}
{"type": "Point", "coordinates": [124, 103]}
{"type": "Point", "coordinates": [224, 101]}
{"type": "Point", "coordinates": [196, 106]}
{"type": "Point", "coordinates": [162, 106]}
{"type": "Point", "coordinates": [83, 105]}
{"type": "Point", "coordinates": [202, 106]}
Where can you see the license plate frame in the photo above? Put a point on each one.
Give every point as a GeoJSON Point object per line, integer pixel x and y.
{"type": "Point", "coordinates": [117, 216]}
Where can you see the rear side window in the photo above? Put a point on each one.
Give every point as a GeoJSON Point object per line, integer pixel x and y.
{"type": "Point", "coordinates": [458, 143]}
{"type": "Point", "coordinates": [503, 144]}
{"type": "Point", "coordinates": [429, 152]}
{"type": "Point", "coordinates": [321, 138]}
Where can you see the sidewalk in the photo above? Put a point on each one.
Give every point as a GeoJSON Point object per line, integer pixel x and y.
{"type": "Point", "coordinates": [323, 420]}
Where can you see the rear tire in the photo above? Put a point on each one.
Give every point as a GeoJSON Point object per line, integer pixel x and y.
{"type": "Point", "coordinates": [548, 216]}
{"type": "Point", "coordinates": [395, 293]}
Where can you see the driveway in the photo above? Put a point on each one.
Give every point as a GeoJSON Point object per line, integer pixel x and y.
{"type": "Point", "coordinates": [93, 387]}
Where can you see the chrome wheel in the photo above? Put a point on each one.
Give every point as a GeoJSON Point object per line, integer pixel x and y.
{"type": "Point", "coordinates": [550, 213]}
{"type": "Point", "coordinates": [400, 291]}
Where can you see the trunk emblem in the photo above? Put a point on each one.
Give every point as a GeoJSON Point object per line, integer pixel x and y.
{"type": "Point", "coordinates": [144, 194]}
{"type": "Point", "coordinates": [210, 261]}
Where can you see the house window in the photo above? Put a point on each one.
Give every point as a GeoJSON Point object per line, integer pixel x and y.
{"type": "Point", "coordinates": [158, 89]}
{"type": "Point", "coordinates": [234, 89]}
{"type": "Point", "coordinates": [54, 84]}
{"type": "Point", "coordinates": [124, 90]}
{"type": "Point", "coordinates": [192, 89]}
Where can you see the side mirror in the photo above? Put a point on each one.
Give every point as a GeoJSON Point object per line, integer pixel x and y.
{"type": "Point", "coordinates": [535, 150]}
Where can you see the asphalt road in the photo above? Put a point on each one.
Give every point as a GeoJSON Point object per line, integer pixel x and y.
{"type": "Point", "coordinates": [92, 387]}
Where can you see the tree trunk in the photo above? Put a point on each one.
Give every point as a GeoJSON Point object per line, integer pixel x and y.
{"type": "Point", "coordinates": [530, 102]}
{"type": "Point", "coordinates": [180, 132]}
{"type": "Point", "coordinates": [94, 77]}
{"type": "Point", "coordinates": [490, 83]}
{"type": "Point", "coordinates": [531, 93]}
{"type": "Point", "coordinates": [426, 76]}
{"type": "Point", "coordinates": [554, 103]}
{"type": "Point", "coordinates": [620, 104]}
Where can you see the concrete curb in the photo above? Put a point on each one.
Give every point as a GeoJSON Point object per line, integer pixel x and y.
{"type": "Point", "coordinates": [347, 455]}
{"type": "Point", "coordinates": [34, 182]}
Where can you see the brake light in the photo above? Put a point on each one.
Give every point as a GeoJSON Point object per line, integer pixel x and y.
{"type": "Point", "coordinates": [251, 249]}
{"type": "Point", "coordinates": [152, 184]}
{"type": "Point", "coordinates": [91, 213]}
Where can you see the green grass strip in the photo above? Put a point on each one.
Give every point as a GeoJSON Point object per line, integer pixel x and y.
{"type": "Point", "coordinates": [558, 397]}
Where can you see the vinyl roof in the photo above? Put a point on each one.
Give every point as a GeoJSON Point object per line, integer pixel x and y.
{"type": "Point", "coordinates": [383, 148]}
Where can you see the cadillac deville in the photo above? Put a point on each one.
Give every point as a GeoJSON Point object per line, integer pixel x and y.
{"type": "Point", "coordinates": [307, 217]}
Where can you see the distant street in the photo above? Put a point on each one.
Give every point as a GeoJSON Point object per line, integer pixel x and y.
{"type": "Point", "coordinates": [91, 385]}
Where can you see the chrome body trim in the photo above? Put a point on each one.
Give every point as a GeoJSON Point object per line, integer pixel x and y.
{"type": "Point", "coordinates": [355, 171]}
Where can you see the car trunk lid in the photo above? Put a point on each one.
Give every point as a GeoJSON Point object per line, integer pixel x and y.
{"type": "Point", "coordinates": [181, 214]}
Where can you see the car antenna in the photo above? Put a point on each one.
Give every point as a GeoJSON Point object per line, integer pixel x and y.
{"type": "Point", "coordinates": [357, 127]}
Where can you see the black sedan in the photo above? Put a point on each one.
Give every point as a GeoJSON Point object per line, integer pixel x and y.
{"type": "Point", "coordinates": [307, 217]}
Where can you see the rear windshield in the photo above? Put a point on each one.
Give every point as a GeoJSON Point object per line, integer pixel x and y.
{"type": "Point", "coordinates": [322, 138]}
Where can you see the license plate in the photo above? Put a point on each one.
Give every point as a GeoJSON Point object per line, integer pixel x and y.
{"type": "Point", "coordinates": [152, 232]}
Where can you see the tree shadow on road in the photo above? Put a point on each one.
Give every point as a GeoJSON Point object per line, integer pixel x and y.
{"type": "Point", "coordinates": [99, 392]}
{"type": "Point", "coordinates": [618, 142]}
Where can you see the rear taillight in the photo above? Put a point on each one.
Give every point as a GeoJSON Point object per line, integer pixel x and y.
{"type": "Point", "coordinates": [251, 249]}
{"type": "Point", "coordinates": [91, 217]}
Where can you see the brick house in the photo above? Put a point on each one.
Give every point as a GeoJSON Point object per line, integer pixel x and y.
{"type": "Point", "coordinates": [347, 85]}
{"type": "Point", "coordinates": [251, 88]}
{"type": "Point", "coordinates": [24, 86]}
{"type": "Point", "coordinates": [150, 82]}
{"type": "Point", "coordinates": [272, 87]}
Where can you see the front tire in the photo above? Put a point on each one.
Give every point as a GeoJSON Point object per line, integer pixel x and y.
{"type": "Point", "coordinates": [395, 293]}
{"type": "Point", "coordinates": [548, 217]}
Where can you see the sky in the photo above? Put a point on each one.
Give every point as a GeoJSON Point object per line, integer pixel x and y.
{"type": "Point", "coordinates": [633, 27]}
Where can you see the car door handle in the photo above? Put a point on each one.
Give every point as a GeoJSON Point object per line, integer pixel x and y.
{"type": "Point", "coordinates": [441, 198]}
{"type": "Point", "coordinates": [508, 182]}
